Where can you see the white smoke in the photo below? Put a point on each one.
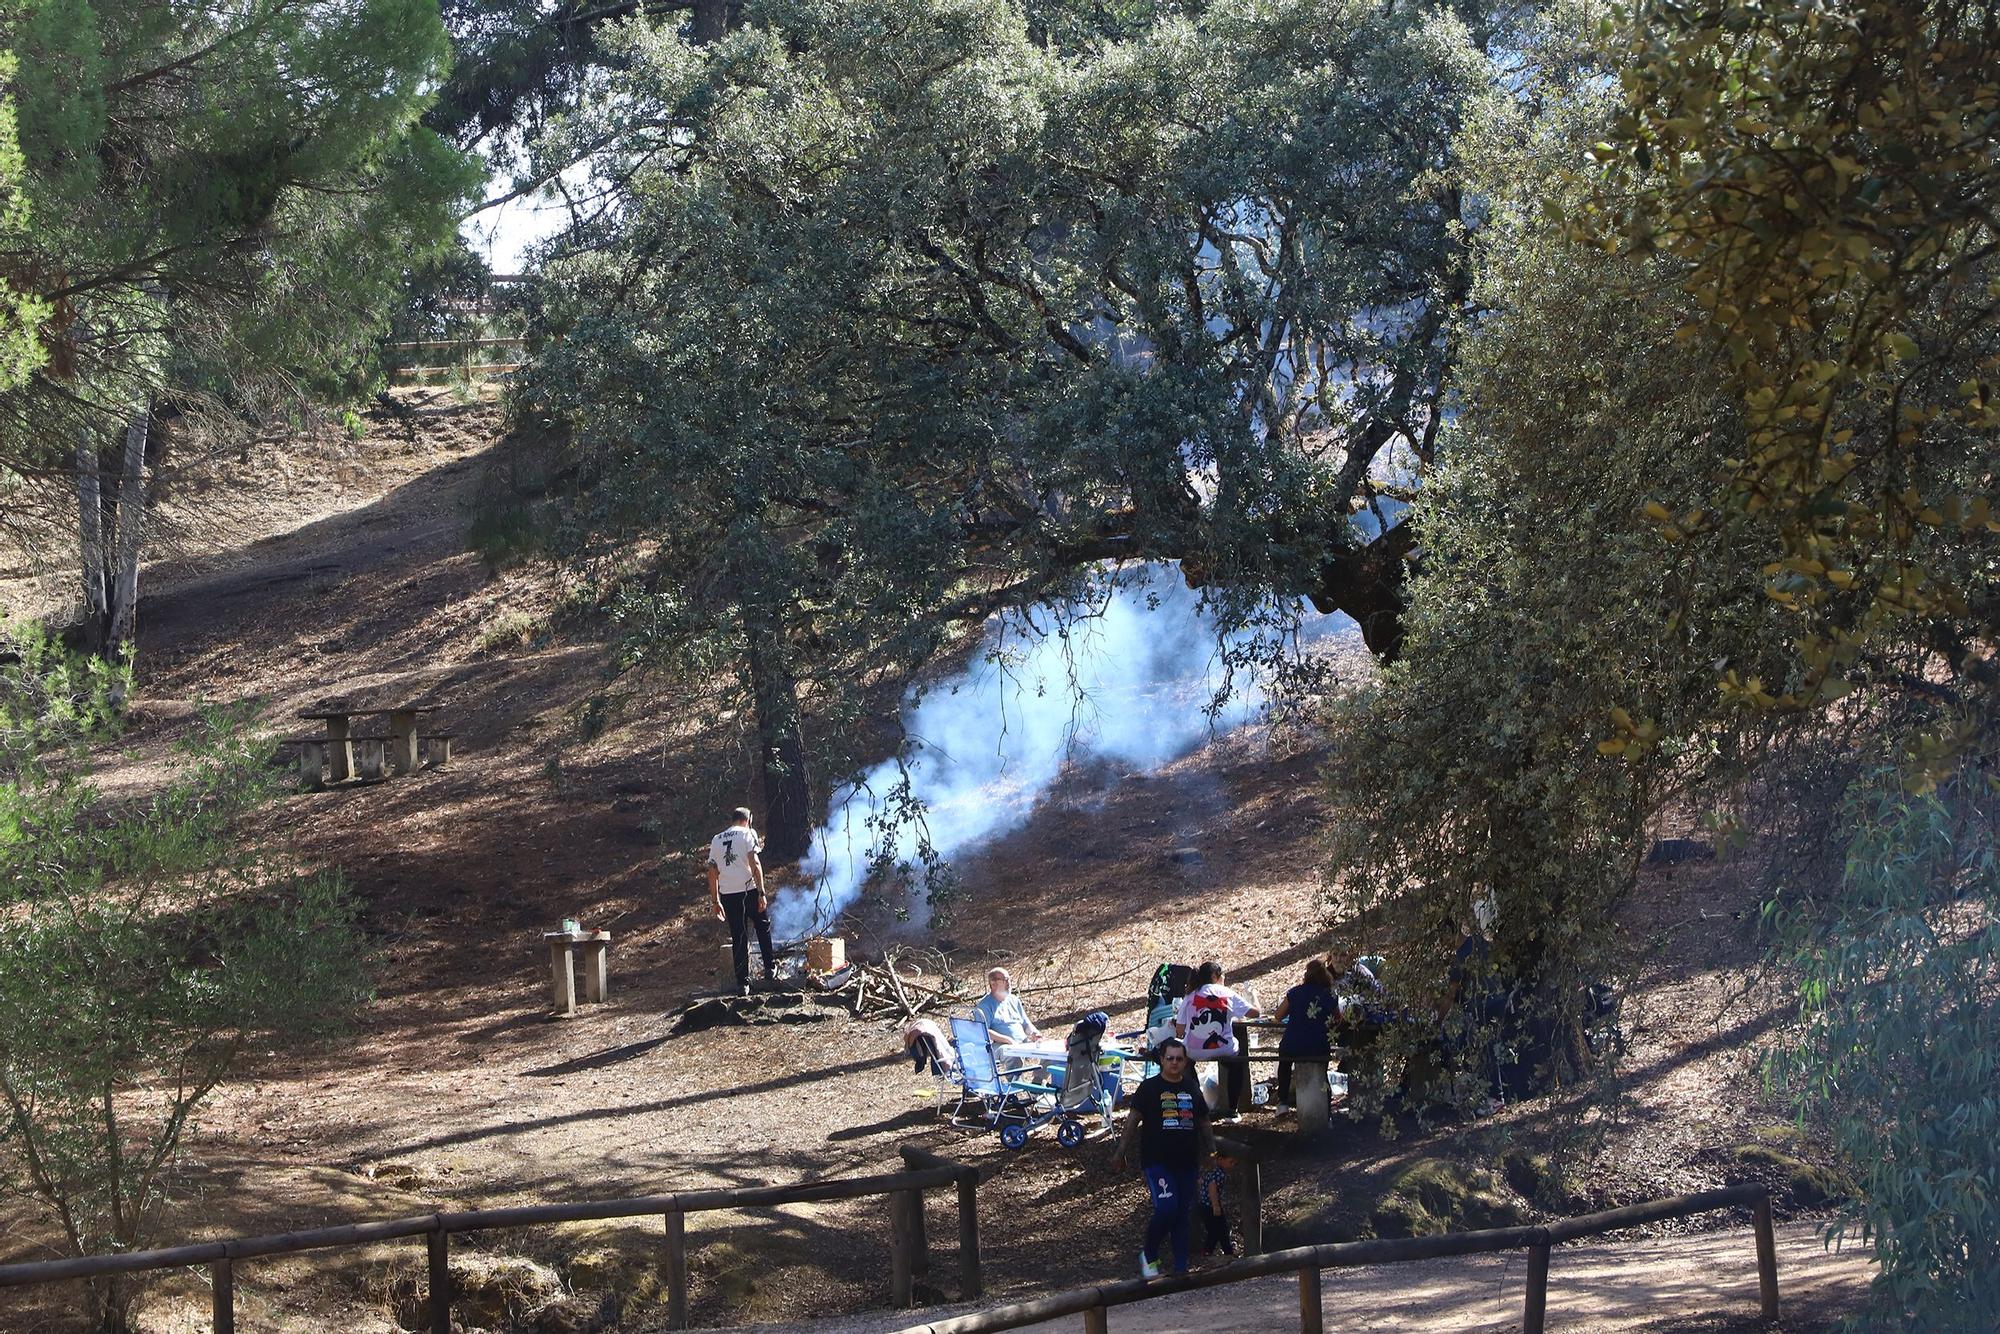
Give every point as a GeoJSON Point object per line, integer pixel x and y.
{"type": "Point", "coordinates": [1133, 681]}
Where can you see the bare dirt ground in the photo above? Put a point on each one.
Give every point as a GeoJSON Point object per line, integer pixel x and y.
{"type": "Point", "coordinates": [580, 792]}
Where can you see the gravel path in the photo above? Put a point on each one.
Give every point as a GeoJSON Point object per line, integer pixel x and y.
{"type": "Point", "coordinates": [1705, 1281]}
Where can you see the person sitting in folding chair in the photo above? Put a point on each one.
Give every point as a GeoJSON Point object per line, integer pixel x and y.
{"type": "Point", "coordinates": [1001, 1101]}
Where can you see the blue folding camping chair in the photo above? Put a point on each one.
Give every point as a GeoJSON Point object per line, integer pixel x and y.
{"type": "Point", "coordinates": [1012, 1106]}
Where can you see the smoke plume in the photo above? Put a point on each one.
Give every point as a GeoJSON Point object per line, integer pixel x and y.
{"type": "Point", "coordinates": [1140, 680]}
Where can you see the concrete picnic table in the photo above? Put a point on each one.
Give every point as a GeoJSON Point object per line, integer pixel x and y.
{"type": "Point", "coordinates": [402, 742]}
{"type": "Point", "coordinates": [563, 947]}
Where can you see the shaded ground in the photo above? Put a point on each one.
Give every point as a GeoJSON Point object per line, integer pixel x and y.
{"type": "Point", "coordinates": [581, 793]}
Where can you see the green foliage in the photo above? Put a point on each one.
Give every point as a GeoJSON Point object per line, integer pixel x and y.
{"type": "Point", "coordinates": [219, 206]}
{"type": "Point", "coordinates": [909, 313]}
{"type": "Point", "coordinates": [21, 312]}
{"type": "Point", "coordinates": [142, 946]}
{"type": "Point", "coordinates": [1898, 1055]}
{"type": "Point", "coordinates": [1822, 176]}
{"type": "Point", "coordinates": [1726, 423]}
{"type": "Point", "coordinates": [1544, 604]}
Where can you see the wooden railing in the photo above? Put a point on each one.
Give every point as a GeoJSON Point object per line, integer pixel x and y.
{"type": "Point", "coordinates": [1308, 1261]}
{"type": "Point", "coordinates": [908, 1253]}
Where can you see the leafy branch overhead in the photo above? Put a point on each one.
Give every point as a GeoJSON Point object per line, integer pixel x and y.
{"type": "Point", "coordinates": [1823, 178]}
{"type": "Point", "coordinates": [896, 316]}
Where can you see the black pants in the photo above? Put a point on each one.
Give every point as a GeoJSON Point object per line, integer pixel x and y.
{"type": "Point", "coordinates": [924, 1051]}
{"type": "Point", "coordinates": [1215, 1232]}
{"type": "Point", "coordinates": [742, 913]}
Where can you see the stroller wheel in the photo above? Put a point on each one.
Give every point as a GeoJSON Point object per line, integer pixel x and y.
{"type": "Point", "coordinates": [1070, 1132]}
{"type": "Point", "coordinates": [1014, 1136]}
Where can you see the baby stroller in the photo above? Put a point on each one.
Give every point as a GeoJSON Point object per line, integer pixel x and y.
{"type": "Point", "coordinates": [1090, 1080]}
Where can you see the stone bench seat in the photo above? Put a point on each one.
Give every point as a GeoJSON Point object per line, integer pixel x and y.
{"type": "Point", "coordinates": [370, 750]}
{"type": "Point", "coordinates": [368, 753]}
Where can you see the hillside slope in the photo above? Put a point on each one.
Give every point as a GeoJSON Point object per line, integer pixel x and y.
{"type": "Point", "coordinates": [578, 792]}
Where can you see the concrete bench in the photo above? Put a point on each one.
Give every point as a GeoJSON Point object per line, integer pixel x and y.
{"type": "Point", "coordinates": [369, 752]}
{"type": "Point", "coordinates": [563, 949]}
{"type": "Point", "coordinates": [315, 751]}
{"type": "Point", "coordinates": [1312, 1096]}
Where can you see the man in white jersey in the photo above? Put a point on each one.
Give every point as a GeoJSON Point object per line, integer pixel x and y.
{"type": "Point", "coordinates": [736, 886]}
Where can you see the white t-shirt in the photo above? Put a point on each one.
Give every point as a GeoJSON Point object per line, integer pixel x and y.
{"type": "Point", "coordinates": [729, 852]}
{"type": "Point", "coordinates": [1209, 1013]}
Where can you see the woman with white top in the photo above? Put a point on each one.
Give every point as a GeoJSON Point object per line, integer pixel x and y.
{"type": "Point", "coordinates": [1207, 1023]}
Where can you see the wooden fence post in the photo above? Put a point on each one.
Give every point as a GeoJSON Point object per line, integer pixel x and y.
{"type": "Point", "coordinates": [1310, 1319]}
{"type": "Point", "coordinates": [902, 1253]}
{"type": "Point", "coordinates": [1535, 1309]}
{"type": "Point", "coordinates": [438, 1243]}
{"type": "Point", "coordinates": [222, 1290]}
{"type": "Point", "coordinates": [677, 1270]}
{"type": "Point", "coordinates": [1767, 1259]}
{"type": "Point", "coordinates": [1095, 1321]}
{"type": "Point", "coordinates": [969, 1281]}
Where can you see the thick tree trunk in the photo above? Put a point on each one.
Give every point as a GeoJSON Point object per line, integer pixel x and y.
{"type": "Point", "coordinates": [788, 822]}
{"type": "Point", "coordinates": [90, 546]}
{"type": "Point", "coordinates": [131, 528]}
{"type": "Point", "coordinates": [1367, 584]}
{"type": "Point", "coordinates": [711, 21]}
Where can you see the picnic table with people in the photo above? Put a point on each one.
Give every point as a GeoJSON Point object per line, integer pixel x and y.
{"type": "Point", "coordinates": [1012, 1077]}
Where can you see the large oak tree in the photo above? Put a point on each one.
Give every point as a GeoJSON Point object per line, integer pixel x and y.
{"type": "Point", "coordinates": [892, 315]}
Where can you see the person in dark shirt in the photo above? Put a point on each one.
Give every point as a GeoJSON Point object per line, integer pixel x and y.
{"type": "Point", "coordinates": [1309, 1015]}
{"type": "Point", "coordinates": [1168, 1128]}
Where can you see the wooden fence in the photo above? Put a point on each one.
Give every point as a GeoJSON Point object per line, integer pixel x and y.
{"type": "Point", "coordinates": [908, 1253]}
{"type": "Point", "coordinates": [464, 360]}
{"type": "Point", "coordinates": [1307, 1262]}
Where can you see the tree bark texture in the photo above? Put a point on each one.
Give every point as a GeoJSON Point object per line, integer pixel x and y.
{"type": "Point", "coordinates": [91, 550]}
{"type": "Point", "coordinates": [711, 21]}
{"type": "Point", "coordinates": [131, 529]}
{"type": "Point", "coordinates": [110, 530]}
{"type": "Point", "coordinates": [788, 822]}
{"type": "Point", "coordinates": [1367, 584]}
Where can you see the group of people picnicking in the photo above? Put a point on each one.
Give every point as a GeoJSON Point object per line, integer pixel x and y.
{"type": "Point", "coordinates": [1167, 1133]}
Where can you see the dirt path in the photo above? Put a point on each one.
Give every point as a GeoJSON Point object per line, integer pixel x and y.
{"type": "Point", "coordinates": [1706, 1281]}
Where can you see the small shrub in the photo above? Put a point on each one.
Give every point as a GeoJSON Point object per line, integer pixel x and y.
{"type": "Point", "coordinates": [143, 947]}
{"type": "Point", "coordinates": [1432, 1196]}
{"type": "Point", "coordinates": [1806, 1184]}
{"type": "Point", "coordinates": [595, 715]}
{"type": "Point", "coordinates": [1898, 964]}
{"type": "Point", "coordinates": [509, 629]}
{"type": "Point", "coordinates": [504, 532]}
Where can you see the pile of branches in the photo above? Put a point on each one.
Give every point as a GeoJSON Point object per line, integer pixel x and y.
{"type": "Point", "coordinates": [895, 990]}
